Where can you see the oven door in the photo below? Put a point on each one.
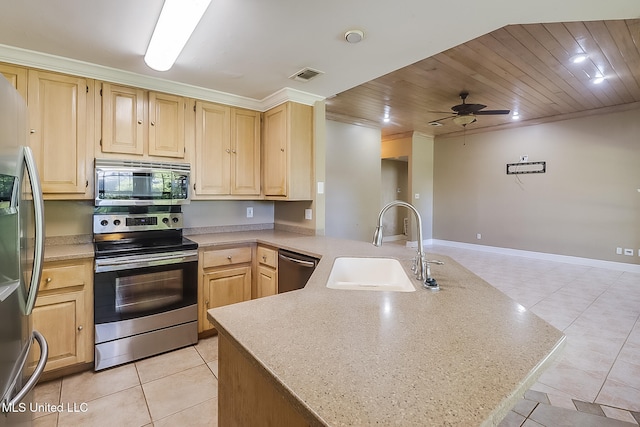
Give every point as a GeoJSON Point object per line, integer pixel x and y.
{"type": "Point", "coordinates": [128, 287]}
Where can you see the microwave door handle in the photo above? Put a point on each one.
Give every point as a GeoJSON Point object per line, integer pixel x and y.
{"type": "Point", "coordinates": [33, 379]}
{"type": "Point", "coordinates": [38, 205]}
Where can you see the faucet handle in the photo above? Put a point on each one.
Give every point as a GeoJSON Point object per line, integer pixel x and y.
{"type": "Point", "coordinates": [414, 264]}
{"type": "Point", "coordinates": [435, 261]}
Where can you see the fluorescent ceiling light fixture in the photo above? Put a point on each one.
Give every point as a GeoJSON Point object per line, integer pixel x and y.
{"type": "Point", "coordinates": [175, 25]}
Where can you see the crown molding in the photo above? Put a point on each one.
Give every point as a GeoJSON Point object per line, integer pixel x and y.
{"type": "Point", "coordinates": [29, 58]}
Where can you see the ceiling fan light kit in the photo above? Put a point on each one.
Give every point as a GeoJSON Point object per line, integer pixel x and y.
{"type": "Point", "coordinates": [465, 114]}
{"type": "Point", "coordinates": [464, 120]}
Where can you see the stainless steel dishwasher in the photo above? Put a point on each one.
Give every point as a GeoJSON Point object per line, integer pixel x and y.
{"type": "Point", "coordinates": [294, 270]}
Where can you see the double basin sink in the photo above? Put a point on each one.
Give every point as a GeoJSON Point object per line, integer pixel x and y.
{"type": "Point", "coordinates": [369, 274]}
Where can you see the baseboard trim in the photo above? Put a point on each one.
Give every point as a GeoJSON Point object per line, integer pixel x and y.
{"type": "Point", "coordinates": [611, 265]}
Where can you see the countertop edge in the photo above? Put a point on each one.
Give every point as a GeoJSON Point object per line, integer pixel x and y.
{"type": "Point", "coordinates": [509, 402]}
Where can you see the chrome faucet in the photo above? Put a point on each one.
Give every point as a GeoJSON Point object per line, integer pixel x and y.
{"type": "Point", "coordinates": [420, 264]}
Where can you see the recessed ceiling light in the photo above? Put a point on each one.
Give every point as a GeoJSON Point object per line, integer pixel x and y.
{"type": "Point", "coordinates": [354, 36]}
{"type": "Point", "coordinates": [435, 124]}
{"type": "Point", "coordinates": [581, 57]}
{"type": "Point", "coordinates": [175, 25]}
{"type": "Point", "coordinates": [515, 116]}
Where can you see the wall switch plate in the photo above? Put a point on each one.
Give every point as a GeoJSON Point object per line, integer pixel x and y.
{"type": "Point", "coordinates": [618, 251]}
{"type": "Point", "coordinates": [249, 212]}
{"type": "Point", "coordinates": [308, 214]}
{"type": "Point", "coordinates": [478, 236]}
{"type": "Point", "coordinates": [320, 187]}
{"type": "Point", "coordinates": [628, 252]}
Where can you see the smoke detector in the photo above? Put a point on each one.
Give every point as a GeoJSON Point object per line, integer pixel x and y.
{"type": "Point", "coordinates": [306, 74]}
{"type": "Point", "coordinates": [354, 36]}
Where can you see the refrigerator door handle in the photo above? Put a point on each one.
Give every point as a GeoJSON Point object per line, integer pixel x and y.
{"type": "Point", "coordinates": [44, 355]}
{"type": "Point", "coordinates": [38, 205]}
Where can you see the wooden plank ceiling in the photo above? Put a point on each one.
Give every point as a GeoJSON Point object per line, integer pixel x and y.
{"type": "Point", "coordinates": [523, 68]}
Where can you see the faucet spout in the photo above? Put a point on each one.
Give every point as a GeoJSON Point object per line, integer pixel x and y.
{"type": "Point", "coordinates": [421, 265]}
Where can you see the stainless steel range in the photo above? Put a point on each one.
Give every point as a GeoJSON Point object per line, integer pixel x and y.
{"type": "Point", "coordinates": [145, 283]}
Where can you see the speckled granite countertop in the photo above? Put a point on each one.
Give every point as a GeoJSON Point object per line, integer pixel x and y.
{"type": "Point", "coordinates": [461, 356]}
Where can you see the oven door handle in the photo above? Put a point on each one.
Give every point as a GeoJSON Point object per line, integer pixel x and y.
{"type": "Point", "coordinates": [141, 261]}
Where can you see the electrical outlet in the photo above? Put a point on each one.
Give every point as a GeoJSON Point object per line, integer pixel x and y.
{"type": "Point", "coordinates": [478, 236]}
{"type": "Point", "coordinates": [249, 212]}
{"type": "Point", "coordinates": [417, 196]}
{"type": "Point", "coordinates": [618, 251]}
{"type": "Point", "coordinates": [628, 252]}
{"type": "Point", "coordinates": [308, 214]}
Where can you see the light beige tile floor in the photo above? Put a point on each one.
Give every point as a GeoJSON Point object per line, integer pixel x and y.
{"type": "Point", "coordinates": [172, 389]}
{"type": "Point", "coordinates": [597, 309]}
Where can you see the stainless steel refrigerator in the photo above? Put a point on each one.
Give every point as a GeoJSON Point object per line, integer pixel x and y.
{"type": "Point", "coordinates": [21, 256]}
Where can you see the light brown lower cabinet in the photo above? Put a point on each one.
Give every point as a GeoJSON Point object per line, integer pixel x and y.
{"type": "Point", "coordinates": [225, 278]}
{"type": "Point", "coordinates": [63, 313]}
{"type": "Point", "coordinates": [247, 395]}
{"type": "Point", "coordinates": [267, 272]}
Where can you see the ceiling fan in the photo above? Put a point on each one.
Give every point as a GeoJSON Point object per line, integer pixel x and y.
{"type": "Point", "coordinates": [465, 114]}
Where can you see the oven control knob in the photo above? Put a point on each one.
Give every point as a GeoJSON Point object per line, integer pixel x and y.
{"type": "Point", "coordinates": [104, 222]}
{"type": "Point", "coordinates": [174, 219]}
{"type": "Point", "coordinates": [116, 222]}
{"type": "Point", "coordinates": [165, 220]}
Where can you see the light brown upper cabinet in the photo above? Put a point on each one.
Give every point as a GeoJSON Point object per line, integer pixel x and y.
{"type": "Point", "coordinates": [17, 76]}
{"type": "Point", "coordinates": [288, 152]}
{"type": "Point", "coordinates": [62, 127]}
{"type": "Point", "coordinates": [227, 151]}
{"type": "Point", "coordinates": [139, 123]}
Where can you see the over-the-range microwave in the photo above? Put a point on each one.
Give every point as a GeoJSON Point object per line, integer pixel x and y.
{"type": "Point", "coordinates": [138, 183]}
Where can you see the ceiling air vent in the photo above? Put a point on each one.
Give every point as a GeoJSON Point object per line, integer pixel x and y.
{"type": "Point", "coordinates": [306, 74]}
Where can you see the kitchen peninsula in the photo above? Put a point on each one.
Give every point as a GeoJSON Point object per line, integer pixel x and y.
{"type": "Point", "coordinates": [459, 356]}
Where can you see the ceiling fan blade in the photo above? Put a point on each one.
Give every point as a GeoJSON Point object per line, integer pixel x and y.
{"type": "Point", "coordinates": [438, 112]}
{"type": "Point", "coordinates": [444, 118]}
{"type": "Point", "coordinates": [492, 112]}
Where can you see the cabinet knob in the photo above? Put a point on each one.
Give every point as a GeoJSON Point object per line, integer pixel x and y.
{"type": "Point", "coordinates": [207, 303]}
{"type": "Point", "coordinates": [139, 122]}
{"type": "Point", "coordinates": [233, 151]}
{"type": "Point", "coordinates": [228, 151]}
{"type": "Point", "coordinates": [32, 131]}
{"type": "Point", "coordinates": [229, 257]}
{"type": "Point", "coordinates": [264, 257]}
{"type": "Point", "coordinates": [282, 149]}
{"type": "Point", "coordinates": [153, 123]}
{"type": "Point", "coordinates": [80, 328]}
{"type": "Point", "coordinates": [48, 280]}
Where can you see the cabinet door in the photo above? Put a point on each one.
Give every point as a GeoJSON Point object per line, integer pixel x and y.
{"type": "Point", "coordinates": [245, 152]}
{"type": "Point", "coordinates": [213, 149]}
{"type": "Point", "coordinates": [17, 76]}
{"type": "Point", "coordinates": [166, 125]}
{"type": "Point", "coordinates": [58, 119]}
{"type": "Point", "coordinates": [122, 120]}
{"type": "Point", "coordinates": [226, 286]}
{"type": "Point", "coordinates": [267, 283]}
{"type": "Point", "coordinates": [275, 151]}
{"type": "Point", "coordinates": [61, 319]}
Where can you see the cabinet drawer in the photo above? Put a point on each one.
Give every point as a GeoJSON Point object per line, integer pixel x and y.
{"type": "Point", "coordinates": [222, 257]}
{"type": "Point", "coordinates": [267, 256]}
{"type": "Point", "coordinates": [63, 276]}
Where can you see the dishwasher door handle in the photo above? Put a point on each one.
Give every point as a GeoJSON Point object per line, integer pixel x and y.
{"type": "Point", "coordinates": [309, 264]}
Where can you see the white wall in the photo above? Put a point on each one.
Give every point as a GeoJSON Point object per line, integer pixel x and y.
{"type": "Point", "coordinates": [586, 205]}
{"type": "Point", "coordinates": [353, 176]}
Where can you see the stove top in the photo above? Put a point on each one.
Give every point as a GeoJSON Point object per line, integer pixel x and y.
{"type": "Point", "coordinates": [135, 246]}
{"type": "Point", "coordinates": [129, 233]}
